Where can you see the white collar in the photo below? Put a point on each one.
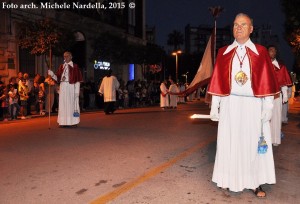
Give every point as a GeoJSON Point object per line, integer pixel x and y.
{"type": "Point", "coordinates": [248, 44]}
{"type": "Point", "coordinates": [70, 63]}
{"type": "Point", "coordinates": [275, 63]}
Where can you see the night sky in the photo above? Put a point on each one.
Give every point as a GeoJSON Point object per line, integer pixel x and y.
{"type": "Point", "coordinates": [167, 15]}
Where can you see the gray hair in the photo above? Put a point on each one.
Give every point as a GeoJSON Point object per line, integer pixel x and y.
{"type": "Point", "coordinates": [245, 15]}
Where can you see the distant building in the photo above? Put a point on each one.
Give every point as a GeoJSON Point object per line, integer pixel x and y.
{"type": "Point", "coordinates": [151, 34]}
{"type": "Point", "coordinates": [196, 38]}
{"type": "Point", "coordinates": [263, 35]}
{"type": "Point", "coordinates": [86, 24]}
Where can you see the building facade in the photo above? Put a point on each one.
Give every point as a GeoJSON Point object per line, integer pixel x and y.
{"type": "Point", "coordinates": [85, 23]}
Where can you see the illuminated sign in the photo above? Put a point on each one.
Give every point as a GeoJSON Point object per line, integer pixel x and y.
{"type": "Point", "coordinates": [102, 65]}
{"type": "Point", "coordinates": [131, 71]}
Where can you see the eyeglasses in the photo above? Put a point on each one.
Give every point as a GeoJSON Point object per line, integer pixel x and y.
{"type": "Point", "coordinates": [243, 25]}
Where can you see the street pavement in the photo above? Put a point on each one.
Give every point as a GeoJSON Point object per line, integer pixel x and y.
{"type": "Point", "coordinates": [142, 155]}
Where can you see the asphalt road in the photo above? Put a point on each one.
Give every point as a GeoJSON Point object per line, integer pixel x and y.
{"type": "Point", "coordinates": [143, 155]}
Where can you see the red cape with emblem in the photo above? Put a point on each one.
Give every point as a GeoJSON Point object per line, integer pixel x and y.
{"type": "Point", "coordinates": [74, 73]}
{"type": "Point", "coordinates": [263, 79]}
{"type": "Point", "coordinates": [283, 77]}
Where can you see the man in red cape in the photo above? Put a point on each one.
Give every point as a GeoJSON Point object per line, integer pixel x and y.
{"type": "Point", "coordinates": [243, 86]}
{"type": "Point", "coordinates": [69, 76]}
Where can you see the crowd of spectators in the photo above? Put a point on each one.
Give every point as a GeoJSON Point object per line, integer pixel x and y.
{"type": "Point", "coordinates": [24, 96]}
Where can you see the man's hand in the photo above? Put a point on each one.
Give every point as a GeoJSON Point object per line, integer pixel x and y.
{"type": "Point", "coordinates": [50, 72]}
{"type": "Point", "coordinates": [284, 94]}
{"type": "Point", "coordinates": [266, 115]}
{"type": "Point", "coordinates": [214, 113]}
{"type": "Point", "coordinates": [214, 110]}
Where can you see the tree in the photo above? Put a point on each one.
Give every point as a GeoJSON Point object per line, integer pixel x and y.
{"type": "Point", "coordinates": [115, 49]}
{"type": "Point", "coordinates": [110, 47]}
{"type": "Point", "coordinates": [292, 27]}
{"type": "Point", "coordinates": [43, 37]}
{"type": "Point", "coordinates": [175, 39]}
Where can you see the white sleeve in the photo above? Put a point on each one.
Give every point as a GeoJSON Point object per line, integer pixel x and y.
{"type": "Point", "coordinates": [215, 102]}
{"type": "Point", "coordinates": [101, 88]}
{"type": "Point", "coordinates": [77, 87]}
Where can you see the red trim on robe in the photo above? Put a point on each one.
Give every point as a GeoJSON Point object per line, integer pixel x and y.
{"type": "Point", "coordinates": [263, 79]}
{"type": "Point", "coordinates": [283, 76]}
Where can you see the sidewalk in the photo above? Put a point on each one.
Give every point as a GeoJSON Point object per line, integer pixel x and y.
{"type": "Point", "coordinates": [295, 107]}
{"type": "Point", "coordinates": [34, 114]}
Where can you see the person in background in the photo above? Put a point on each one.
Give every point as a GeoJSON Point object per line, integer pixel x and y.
{"type": "Point", "coordinates": [5, 104]}
{"type": "Point", "coordinates": [285, 107]}
{"type": "Point", "coordinates": [49, 84]}
{"type": "Point", "coordinates": [2, 97]}
{"type": "Point", "coordinates": [35, 96]}
{"type": "Point", "coordinates": [41, 95]}
{"type": "Point", "coordinates": [29, 84]}
{"type": "Point", "coordinates": [181, 89]}
{"type": "Point", "coordinates": [92, 93]}
{"type": "Point", "coordinates": [69, 76]}
{"type": "Point", "coordinates": [173, 90]}
{"type": "Point", "coordinates": [108, 89]}
{"type": "Point", "coordinates": [14, 107]}
{"type": "Point", "coordinates": [23, 93]}
{"type": "Point", "coordinates": [164, 97]}
{"type": "Point", "coordinates": [243, 86]}
{"type": "Point", "coordinates": [19, 77]}
{"type": "Point", "coordinates": [284, 81]}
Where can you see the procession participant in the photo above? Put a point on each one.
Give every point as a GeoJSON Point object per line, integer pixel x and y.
{"type": "Point", "coordinates": [108, 88]}
{"type": "Point", "coordinates": [284, 80]}
{"type": "Point", "coordinates": [69, 76]}
{"type": "Point", "coordinates": [242, 88]}
{"type": "Point", "coordinates": [164, 97]}
{"type": "Point", "coordinates": [173, 90]}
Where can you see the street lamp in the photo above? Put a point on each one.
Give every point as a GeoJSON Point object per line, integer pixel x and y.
{"type": "Point", "coordinates": [176, 53]}
{"type": "Point", "coordinates": [185, 75]}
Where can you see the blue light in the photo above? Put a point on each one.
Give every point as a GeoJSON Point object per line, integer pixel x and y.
{"type": "Point", "coordinates": [131, 72]}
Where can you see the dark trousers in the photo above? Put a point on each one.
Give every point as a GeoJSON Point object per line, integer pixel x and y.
{"type": "Point", "coordinates": [13, 114]}
{"type": "Point", "coordinates": [109, 107]}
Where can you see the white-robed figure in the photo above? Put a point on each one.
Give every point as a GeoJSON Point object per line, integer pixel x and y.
{"type": "Point", "coordinates": [164, 97]}
{"type": "Point", "coordinates": [284, 80]}
{"type": "Point", "coordinates": [69, 77]}
{"type": "Point", "coordinates": [173, 97]}
{"type": "Point", "coordinates": [242, 87]}
{"type": "Point", "coordinates": [285, 107]}
{"type": "Point", "coordinates": [108, 88]}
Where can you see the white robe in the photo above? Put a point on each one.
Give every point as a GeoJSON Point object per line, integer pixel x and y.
{"type": "Point", "coordinates": [275, 122]}
{"type": "Point", "coordinates": [285, 107]}
{"type": "Point", "coordinates": [173, 98]}
{"type": "Point", "coordinates": [238, 165]}
{"type": "Point", "coordinates": [108, 88]}
{"type": "Point", "coordinates": [277, 114]}
{"type": "Point", "coordinates": [164, 100]}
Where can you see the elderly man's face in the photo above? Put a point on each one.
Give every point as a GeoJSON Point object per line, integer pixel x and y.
{"type": "Point", "coordinates": [242, 28]}
{"type": "Point", "coordinates": [67, 57]}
